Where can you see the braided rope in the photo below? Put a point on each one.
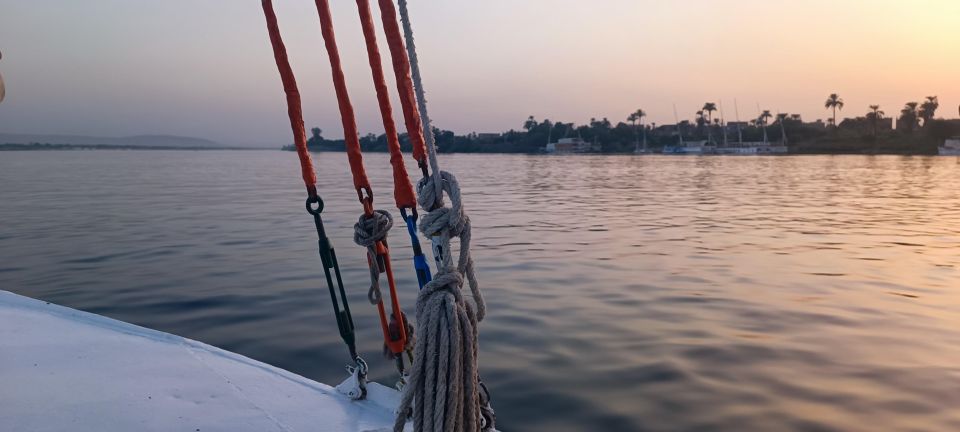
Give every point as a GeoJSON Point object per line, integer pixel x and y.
{"type": "Point", "coordinates": [3, 90]}
{"type": "Point", "coordinates": [444, 392]}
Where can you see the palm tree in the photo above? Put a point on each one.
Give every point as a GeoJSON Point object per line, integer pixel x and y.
{"type": "Point", "coordinates": [640, 113]}
{"type": "Point", "coordinates": [762, 120]}
{"type": "Point", "coordinates": [834, 102]}
{"type": "Point", "coordinates": [875, 115]}
{"type": "Point", "coordinates": [928, 108]}
{"type": "Point", "coordinates": [909, 116]}
{"type": "Point", "coordinates": [530, 123]}
{"type": "Point", "coordinates": [633, 118]}
{"type": "Point", "coordinates": [783, 130]}
{"type": "Point", "coordinates": [709, 108]}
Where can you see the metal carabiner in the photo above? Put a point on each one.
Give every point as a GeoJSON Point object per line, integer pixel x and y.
{"type": "Point", "coordinates": [419, 259]}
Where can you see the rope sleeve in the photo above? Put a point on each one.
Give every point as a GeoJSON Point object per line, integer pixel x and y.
{"type": "Point", "coordinates": [402, 189]}
{"type": "Point", "coordinates": [294, 109]}
{"type": "Point", "coordinates": [350, 135]}
{"type": "Point", "coordinates": [401, 68]}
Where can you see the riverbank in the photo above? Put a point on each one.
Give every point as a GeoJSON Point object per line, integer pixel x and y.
{"type": "Point", "coordinates": [77, 147]}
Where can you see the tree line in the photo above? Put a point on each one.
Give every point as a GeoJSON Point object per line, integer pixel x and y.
{"type": "Point", "coordinates": [917, 131]}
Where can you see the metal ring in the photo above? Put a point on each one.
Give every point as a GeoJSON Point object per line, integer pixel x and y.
{"type": "Point", "coordinates": [413, 213]}
{"type": "Point", "coordinates": [314, 200]}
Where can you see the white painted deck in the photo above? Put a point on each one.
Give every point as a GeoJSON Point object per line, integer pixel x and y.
{"type": "Point", "coordinates": [67, 370]}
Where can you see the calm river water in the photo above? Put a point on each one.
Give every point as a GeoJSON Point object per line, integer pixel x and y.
{"type": "Point", "coordinates": [624, 293]}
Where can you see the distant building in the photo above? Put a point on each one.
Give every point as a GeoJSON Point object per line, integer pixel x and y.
{"type": "Point", "coordinates": [486, 136]}
{"type": "Point", "coordinates": [569, 146]}
{"type": "Point", "coordinates": [665, 130]}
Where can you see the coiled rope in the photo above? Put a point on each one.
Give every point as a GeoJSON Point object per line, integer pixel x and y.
{"type": "Point", "coordinates": [444, 392]}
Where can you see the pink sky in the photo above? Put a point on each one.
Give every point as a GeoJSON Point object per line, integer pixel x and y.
{"type": "Point", "coordinates": [115, 67]}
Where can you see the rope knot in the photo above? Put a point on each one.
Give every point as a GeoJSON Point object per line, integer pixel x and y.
{"type": "Point", "coordinates": [367, 232]}
{"type": "Point", "coordinates": [371, 229]}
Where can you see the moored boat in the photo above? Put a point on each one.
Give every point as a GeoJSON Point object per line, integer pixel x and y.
{"type": "Point", "coordinates": [950, 147]}
{"type": "Point", "coordinates": [569, 146]}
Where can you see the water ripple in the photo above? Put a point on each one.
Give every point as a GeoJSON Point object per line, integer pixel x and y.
{"type": "Point", "coordinates": [625, 293]}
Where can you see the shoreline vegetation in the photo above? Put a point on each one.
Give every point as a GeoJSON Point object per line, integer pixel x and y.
{"type": "Point", "coordinates": [80, 147]}
{"type": "Point", "coordinates": [915, 131]}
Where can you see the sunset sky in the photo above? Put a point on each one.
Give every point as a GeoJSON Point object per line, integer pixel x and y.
{"type": "Point", "coordinates": [204, 68]}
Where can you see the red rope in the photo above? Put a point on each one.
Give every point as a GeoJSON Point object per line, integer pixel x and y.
{"type": "Point", "coordinates": [396, 345]}
{"type": "Point", "coordinates": [401, 68]}
{"type": "Point", "coordinates": [402, 189]}
{"type": "Point", "coordinates": [350, 135]}
{"type": "Point", "coordinates": [294, 109]}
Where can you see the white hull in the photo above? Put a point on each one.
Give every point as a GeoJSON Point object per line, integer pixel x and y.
{"type": "Point", "coordinates": [710, 150]}
{"type": "Point", "coordinates": [950, 147]}
{"type": "Point", "coordinates": [753, 150]}
{"type": "Point", "coordinates": [67, 370]}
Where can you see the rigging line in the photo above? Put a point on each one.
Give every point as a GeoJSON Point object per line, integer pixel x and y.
{"type": "Point", "coordinates": [401, 69]}
{"type": "Point", "coordinates": [445, 392]}
{"type": "Point", "coordinates": [351, 136]}
{"type": "Point", "coordinates": [427, 126]}
{"type": "Point", "coordinates": [371, 229]}
{"type": "Point", "coordinates": [294, 105]}
{"type": "Point", "coordinates": [412, 121]}
{"type": "Point", "coordinates": [314, 203]}
{"type": "Point", "coordinates": [402, 189]}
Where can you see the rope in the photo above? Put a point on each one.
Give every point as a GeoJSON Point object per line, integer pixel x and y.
{"type": "Point", "coordinates": [294, 109]}
{"type": "Point", "coordinates": [444, 391]}
{"type": "Point", "coordinates": [367, 232]}
{"type": "Point", "coordinates": [371, 229]}
{"type": "Point", "coordinates": [314, 205]}
{"type": "Point", "coordinates": [420, 93]}
{"type": "Point", "coordinates": [402, 189]}
{"type": "Point", "coordinates": [3, 90]}
{"type": "Point", "coordinates": [350, 135]}
{"type": "Point", "coordinates": [401, 70]}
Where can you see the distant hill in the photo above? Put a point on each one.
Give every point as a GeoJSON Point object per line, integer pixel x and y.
{"type": "Point", "coordinates": [132, 141]}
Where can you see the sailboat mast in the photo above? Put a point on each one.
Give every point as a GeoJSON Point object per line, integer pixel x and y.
{"type": "Point", "coordinates": [677, 120]}
{"type": "Point", "coordinates": [723, 124]}
{"type": "Point", "coordinates": [736, 111]}
{"type": "Point", "coordinates": [766, 141]}
{"type": "Point", "coordinates": [783, 129]}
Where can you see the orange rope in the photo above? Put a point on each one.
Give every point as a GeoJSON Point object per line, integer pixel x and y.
{"type": "Point", "coordinates": [362, 184]}
{"type": "Point", "coordinates": [294, 109]}
{"type": "Point", "coordinates": [350, 135]}
{"type": "Point", "coordinates": [401, 69]}
{"type": "Point", "coordinates": [402, 189]}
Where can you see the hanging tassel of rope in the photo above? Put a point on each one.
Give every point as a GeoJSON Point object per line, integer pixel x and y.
{"type": "Point", "coordinates": [371, 229]}
{"type": "Point", "coordinates": [444, 392]}
{"type": "Point", "coordinates": [314, 205]}
{"type": "Point", "coordinates": [403, 190]}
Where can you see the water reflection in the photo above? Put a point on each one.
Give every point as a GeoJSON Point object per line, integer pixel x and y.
{"type": "Point", "coordinates": [625, 293]}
